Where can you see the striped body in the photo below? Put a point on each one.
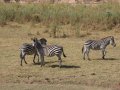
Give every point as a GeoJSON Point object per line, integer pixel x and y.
{"type": "Point", "coordinates": [29, 49]}
{"type": "Point", "coordinates": [52, 50]}
{"type": "Point", "coordinates": [48, 50]}
{"type": "Point", "coordinates": [98, 45]}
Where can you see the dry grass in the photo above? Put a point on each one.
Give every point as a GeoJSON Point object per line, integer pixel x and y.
{"type": "Point", "coordinates": [48, 87]}
{"type": "Point", "coordinates": [75, 71]}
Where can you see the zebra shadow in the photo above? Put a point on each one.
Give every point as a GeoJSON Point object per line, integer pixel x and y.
{"type": "Point", "coordinates": [65, 66]}
{"type": "Point", "coordinates": [107, 59]}
{"type": "Point", "coordinates": [45, 63]}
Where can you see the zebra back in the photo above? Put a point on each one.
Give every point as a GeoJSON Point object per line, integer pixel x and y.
{"type": "Point", "coordinates": [28, 48]}
{"type": "Point", "coordinates": [47, 50]}
{"type": "Point", "coordinates": [52, 50]}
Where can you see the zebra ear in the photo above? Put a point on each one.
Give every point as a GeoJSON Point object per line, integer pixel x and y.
{"type": "Point", "coordinates": [43, 39]}
{"type": "Point", "coordinates": [34, 39]}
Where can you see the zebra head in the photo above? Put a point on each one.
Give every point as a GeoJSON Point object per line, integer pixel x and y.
{"type": "Point", "coordinates": [112, 41]}
{"type": "Point", "coordinates": [43, 41]}
{"type": "Point", "coordinates": [36, 43]}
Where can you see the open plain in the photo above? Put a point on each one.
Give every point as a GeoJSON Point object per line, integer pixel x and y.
{"type": "Point", "coordinates": [76, 73]}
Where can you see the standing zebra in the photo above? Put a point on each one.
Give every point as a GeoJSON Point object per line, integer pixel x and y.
{"type": "Point", "coordinates": [29, 49]}
{"type": "Point", "coordinates": [48, 50]}
{"type": "Point", "coordinates": [98, 45]}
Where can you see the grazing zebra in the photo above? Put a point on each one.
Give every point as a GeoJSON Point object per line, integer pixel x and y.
{"type": "Point", "coordinates": [29, 49]}
{"type": "Point", "coordinates": [48, 50]}
{"type": "Point", "coordinates": [98, 45]}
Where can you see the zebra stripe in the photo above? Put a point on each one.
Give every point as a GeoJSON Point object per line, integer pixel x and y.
{"type": "Point", "coordinates": [52, 50]}
{"type": "Point", "coordinates": [98, 45]}
{"type": "Point", "coordinates": [48, 50]}
{"type": "Point", "coordinates": [29, 49]}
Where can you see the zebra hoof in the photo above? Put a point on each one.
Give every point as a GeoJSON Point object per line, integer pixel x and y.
{"type": "Point", "coordinates": [103, 58]}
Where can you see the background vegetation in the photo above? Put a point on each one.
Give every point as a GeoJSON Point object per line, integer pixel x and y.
{"type": "Point", "coordinates": [79, 17]}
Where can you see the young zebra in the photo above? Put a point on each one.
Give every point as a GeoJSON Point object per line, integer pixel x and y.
{"type": "Point", "coordinates": [48, 50]}
{"type": "Point", "coordinates": [29, 49]}
{"type": "Point", "coordinates": [98, 45]}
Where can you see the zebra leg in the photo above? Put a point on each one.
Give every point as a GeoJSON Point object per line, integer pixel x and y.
{"type": "Point", "coordinates": [87, 53]}
{"type": "Point", "coordinates": [60, 60]}
{"type": "Point", "coordinates": [84, 55]}
{"type": "Point", "coordinates": [83, 51]}
{"type": "Point", "coordinates": [25, 60]}
{"type": "Point", "coordinates": [42, 60]}
{"type": "Point", "coordinates": [38, 58]}
{"type": "Point", "coordinates": [34, 58]}
{"type": "Point", "coordinates": [21, 61]}
{"type": "Point", "coordinates": [22, 56]}
{"type": "Point", "coordinates": [103, 54]}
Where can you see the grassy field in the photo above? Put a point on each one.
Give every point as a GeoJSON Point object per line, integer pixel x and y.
{"type": "Point", "coordinates": [55, 16]}
{"type": "Point", "coordinates": [76, 73]}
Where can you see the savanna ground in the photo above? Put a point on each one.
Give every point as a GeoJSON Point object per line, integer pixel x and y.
{"type": "Point", "coordinates": [75, 73]}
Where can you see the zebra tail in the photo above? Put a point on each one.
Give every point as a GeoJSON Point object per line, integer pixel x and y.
{"type": "Point", "coordinates": [82, 49]}
{"type": "Point", "coordinates": [63, 52]}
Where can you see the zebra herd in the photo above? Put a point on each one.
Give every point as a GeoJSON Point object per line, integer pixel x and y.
{"type": "Point", "coordinates": [29, 49]}
{"type": "Point", "coordinates": [40, 49]}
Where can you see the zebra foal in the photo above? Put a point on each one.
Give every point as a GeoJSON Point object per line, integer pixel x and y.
{"type": "Point", "coordinates": [29, 49]}
{"type": "Point", "coordinates": [48, 50]}
{"type": "Point", "coordinates": [98, 45]}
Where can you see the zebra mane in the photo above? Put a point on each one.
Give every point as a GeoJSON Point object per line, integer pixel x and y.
{"type": "Point", "coordinates": [107, 37]}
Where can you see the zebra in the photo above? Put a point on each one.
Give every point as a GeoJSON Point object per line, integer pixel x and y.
{"type": "Point", "coordinates": [49, 51]}
{"type": "Point", "coordinates": [97, 45]}
{"type": "Point", "coordinates": [29, 49]}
